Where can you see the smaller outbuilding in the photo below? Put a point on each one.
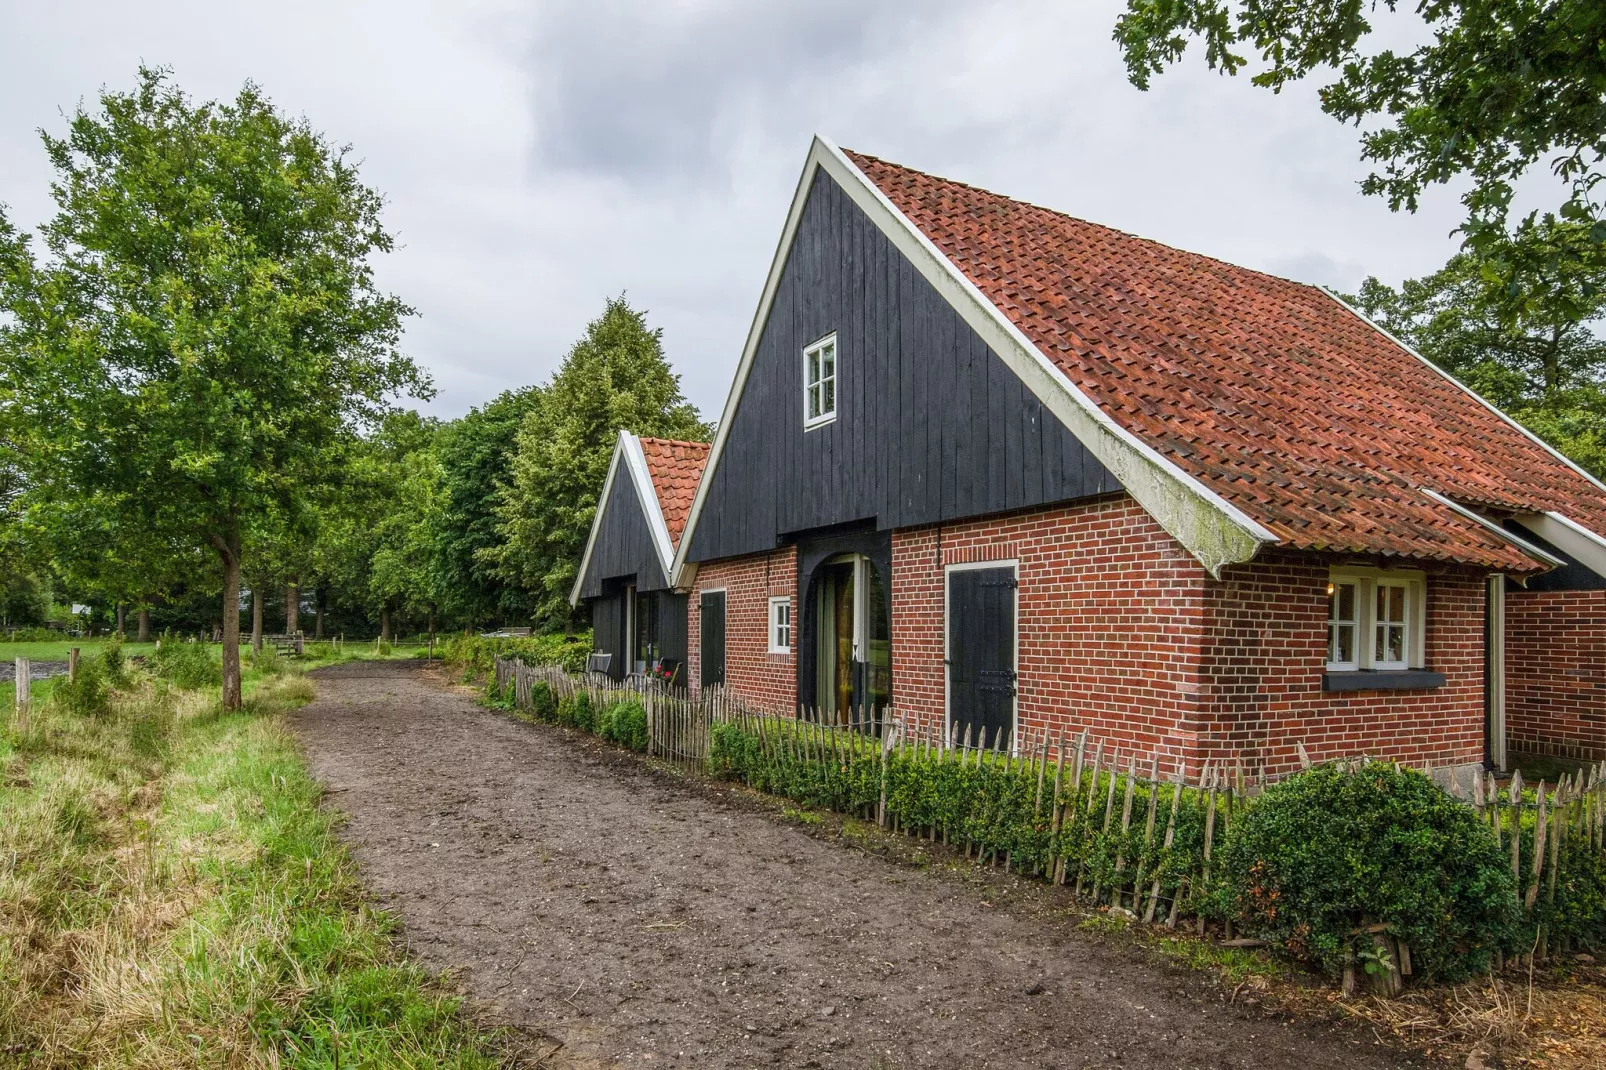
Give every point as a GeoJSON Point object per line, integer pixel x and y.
{"type": "Point", "coordinates": [638, 621]}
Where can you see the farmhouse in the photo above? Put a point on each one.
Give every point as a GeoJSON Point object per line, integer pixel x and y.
{"type": "Point", "coordinates": [999, 468]}
{"type": "Point", "coordinates": [638, 621]}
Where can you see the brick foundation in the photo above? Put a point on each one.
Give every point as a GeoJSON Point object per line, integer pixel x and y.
{"type": "Point", "coordinates": [1555, 661]}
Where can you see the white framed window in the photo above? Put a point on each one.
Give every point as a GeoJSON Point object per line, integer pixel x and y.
{"type": "Point", "coordinates": [819, 382]}
{"type": "Point", "coordinates": [780, 625]}
{"type": "Point", "coordinates": [1376, 619]}
{"type": "Point", "coordinates": [1343, 622]}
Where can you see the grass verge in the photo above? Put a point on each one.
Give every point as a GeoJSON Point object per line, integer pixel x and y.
{"type": "Point", "coordinates": [171, 894]}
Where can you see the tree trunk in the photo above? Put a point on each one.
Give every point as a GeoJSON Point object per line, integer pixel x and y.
{"type": "Point", "coordinates": [120, 612]}
{"type": "Point", "coordinates": [432, 625]}
{"type": "Point", "coordinates": [230, 556]}
{"type": "Point", "coordinates": [144, 624]}
{"type": "Point", "coordinates": [384, 625]}
{"type": "Point", "coordinates": [292, 608]}
{"type": "Point", "coordinates": [256, 618]}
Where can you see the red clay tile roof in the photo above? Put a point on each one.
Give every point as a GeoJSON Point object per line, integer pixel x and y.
{"type": "Point", "coordinates": [1268, 391]}
{"type": "Point", "coordinates": [675, 468]}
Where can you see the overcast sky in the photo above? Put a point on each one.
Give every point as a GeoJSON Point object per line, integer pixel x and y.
{"type": "Point", "coordinates": [540, 157]}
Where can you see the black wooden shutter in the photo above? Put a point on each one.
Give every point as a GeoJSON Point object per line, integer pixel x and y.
{"type": "Point", "coordinates": [981, 653]}
{"type": "Point", "coordinates": [712, 611]}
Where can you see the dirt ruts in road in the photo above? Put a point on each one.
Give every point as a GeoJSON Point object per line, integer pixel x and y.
{"type": "Point", "coordinates": [643, 922]}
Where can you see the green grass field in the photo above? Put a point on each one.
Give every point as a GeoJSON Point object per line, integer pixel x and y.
{"type": "Point", "coordinates": [58, 651]}
{"type": "Point", "coordinates": [176, 896]}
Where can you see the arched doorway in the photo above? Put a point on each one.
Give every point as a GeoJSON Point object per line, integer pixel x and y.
{"type": "Point", "coordinates": [848, 671]}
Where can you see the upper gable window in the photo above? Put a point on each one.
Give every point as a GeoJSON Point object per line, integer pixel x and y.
{"type": "Point", "coordinates": [819, 382]}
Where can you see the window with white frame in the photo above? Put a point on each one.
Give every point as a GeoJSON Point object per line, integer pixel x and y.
{"type": "Point", "coordinates": [780, 625]}
{"type": "Point", "coordinates": [819, 382]}
{"type": "Point", "coordinates": [1376, 619]}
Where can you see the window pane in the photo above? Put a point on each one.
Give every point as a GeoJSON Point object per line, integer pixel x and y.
{"type": "Point", "coordinates": [1390, 604]}
{"type": "Point", "coordinates": [1396, 642]}
{"type": "Point", "coordinates": [814, 401]}
{"type": "Point", "coordinates": [828, 356]}
{"type": "Point", "coordinates": [1345, 596]}
{"type": "Point", "coordinates": [814, 367]}
{"type": "Point", "coordinates": [1341, 643]}
{"type": "Point", "coordinates": [829, 403]}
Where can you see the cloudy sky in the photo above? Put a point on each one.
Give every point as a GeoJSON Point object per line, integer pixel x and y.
{"type": "Point", "coordinates": [539, 157]}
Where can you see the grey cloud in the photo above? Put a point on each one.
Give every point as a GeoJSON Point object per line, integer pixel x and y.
{"type": "Point", "coordinates": [651, 92]}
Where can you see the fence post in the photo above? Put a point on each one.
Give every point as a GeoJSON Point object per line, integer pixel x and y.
{"type": "Point", "coordinates": [23, 694]}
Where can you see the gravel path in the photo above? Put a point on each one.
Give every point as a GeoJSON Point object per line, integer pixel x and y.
{"type": "Point", "coordinates": [644, 922]}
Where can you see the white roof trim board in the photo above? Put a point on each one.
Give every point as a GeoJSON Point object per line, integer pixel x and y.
{"type": "Point", "coordinates": [628, 450]}
{"type": "Point", "coordinates": [1214, 530]}
{"type": "Point", "coordinates": [1478, 518]}
{"type": "Point", "coordinates": [1570, 537]}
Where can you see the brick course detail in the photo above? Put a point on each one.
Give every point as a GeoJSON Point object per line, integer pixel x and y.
{"type": "Point", "coordinates": [1555, 658]}
{"type": "Point", "coordinates": [751, 671]}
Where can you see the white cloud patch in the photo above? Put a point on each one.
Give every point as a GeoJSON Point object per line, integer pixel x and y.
{"type": "Point", "coordinates": [538, 158]}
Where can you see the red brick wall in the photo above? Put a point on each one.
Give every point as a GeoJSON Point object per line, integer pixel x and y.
{"type": "Point", "coordinates": [1122, 632]}
{"type": "Point", "coordinates": [1555, 664]}
{"type": "Point", "coordinates": [750, 669]}
{"type": "Point", "coordinates": [1265, 636]}
{"type": "Point", "coordinates": [1109, 613]}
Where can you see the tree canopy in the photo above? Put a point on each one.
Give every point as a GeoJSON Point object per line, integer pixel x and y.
{"type": "Point", "coordinates": [204, 332]}
{"type": "Point", "coordinates": [614, 378]}
{"type": "Point", "coordinates": [1501, 87]}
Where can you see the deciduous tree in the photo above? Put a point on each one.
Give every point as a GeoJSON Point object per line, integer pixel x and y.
{"type": "Point", "coordinates": [205, 330]}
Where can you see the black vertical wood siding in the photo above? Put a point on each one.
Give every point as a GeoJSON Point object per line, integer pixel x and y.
{"type": "Point", "coordinates": [624, 546]}
{"type": "Point", "coordinates": [931, 424]}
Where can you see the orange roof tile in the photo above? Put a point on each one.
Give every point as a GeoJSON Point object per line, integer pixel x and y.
{"type": "Point", "coordinates": [675, 468]}
{"type": "Point", "coordinates": [1268, 391]}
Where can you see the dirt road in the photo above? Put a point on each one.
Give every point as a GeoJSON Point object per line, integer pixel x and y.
{"type": "Point", "coordinates": [646, 923]}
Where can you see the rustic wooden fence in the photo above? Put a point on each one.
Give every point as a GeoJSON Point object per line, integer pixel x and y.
{"type": "Point", "coordinates": [1066, 808]}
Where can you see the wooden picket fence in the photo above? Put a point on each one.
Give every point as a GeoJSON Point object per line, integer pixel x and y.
{"type": "Point", "coordinates": [1078, 792]}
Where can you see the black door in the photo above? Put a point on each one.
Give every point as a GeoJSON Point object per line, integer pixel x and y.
{"type": "Point", "coordinates": [712, 611]}
{"type": "Point", "coordinates": [981, 653]}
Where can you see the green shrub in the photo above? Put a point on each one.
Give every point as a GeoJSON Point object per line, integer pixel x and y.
{"type": "Point", "coordinates": [383, 648]}
{"type": "Point", "coordinates": [543, 707]}
{"type": "Point", "coordinates": [34, 635]}
{"type": "Point", "coordinates": [111, 655]}
{"type": "Point", "coordinates": [475, 654]}
{"type": "Point", "coordinates": [1327, 851]}
{"type": "Point", "coordinates": [88, 693]}
{"type": "Point", "coordinates": [267, 661]}
{"type": "Point", "coordinates": [186, 665]}
{"type": "Point", "coordinates": [624, 723]}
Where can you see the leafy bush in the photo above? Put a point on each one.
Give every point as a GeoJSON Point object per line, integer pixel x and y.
{"type": "Point", "coordinates": [576, 712]}
{"type": "Point", "coordinates": [111, 655]}
{"type": "Point", "coordinates": [186, 665]}
{"type": "Point", "coordinates": [268, 662]}
{"type": "Point", "coordinates": [543, 707]}
{"type": "Point", "coordinates": [476, 654]}
{"type": "Point", "coordinates": [1328, 851]}
{"type": "Point", "coordinates": [88, 693]}
{"type": "Point", "coordinates": [35, 635]}
{"type": "Point", "coordinates": [624, 723]}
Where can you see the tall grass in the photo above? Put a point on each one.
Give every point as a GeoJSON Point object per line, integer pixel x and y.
{"type": "Point", "coordinates": [171, 894]}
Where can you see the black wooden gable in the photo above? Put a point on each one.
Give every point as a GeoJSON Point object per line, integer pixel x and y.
{"type": "Point", "coordinates": [931, 424]}
{"type": "Point", "coordinates": [622, 546]}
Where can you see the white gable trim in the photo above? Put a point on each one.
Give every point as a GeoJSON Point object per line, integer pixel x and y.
{"type": "Point", "coordinates": [1570, 537]}
{"type": "Point", "coordinates": [1478, 518]}
{"type": "Point", "coordinates": [1215, 531]}
{"type": "Point", "coordinates": [629, 452]}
